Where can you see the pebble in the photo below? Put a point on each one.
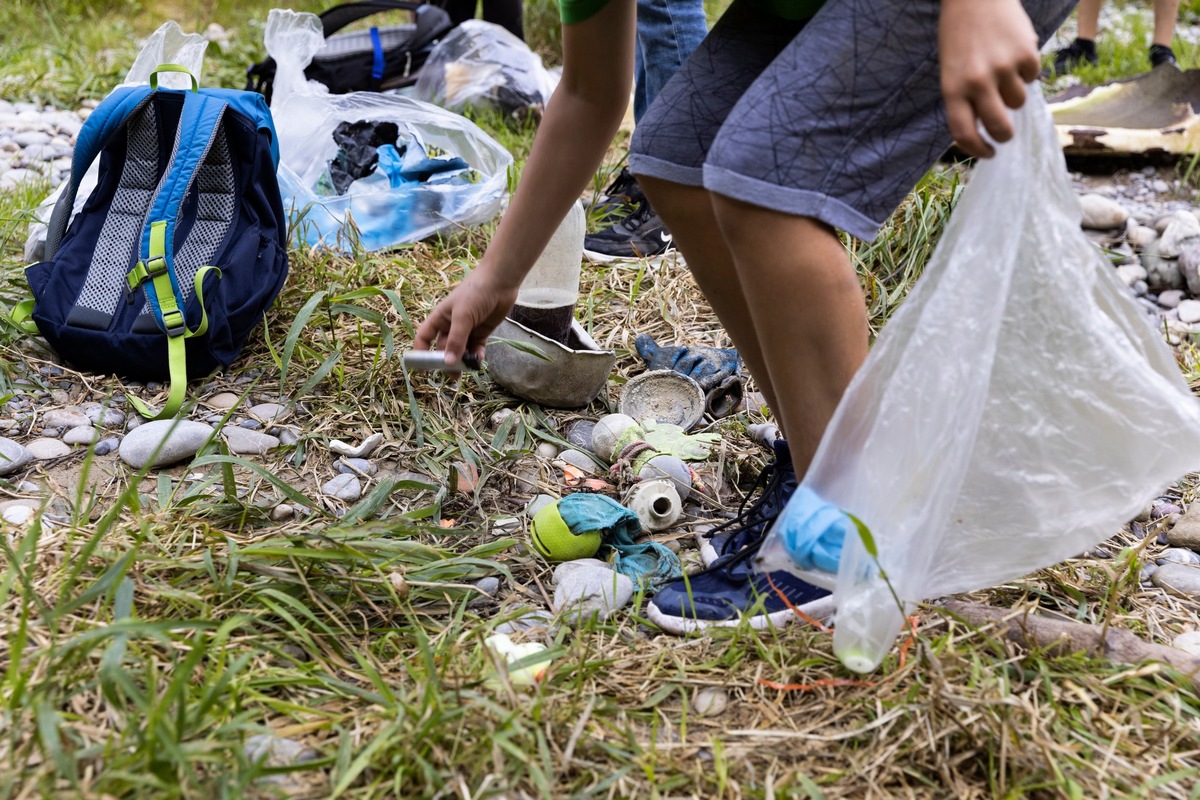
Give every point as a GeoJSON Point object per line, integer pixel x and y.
{"type": "Point", "coordinates": [1181, 229]}
{"type": "Point", "coordinates": [18, 515]}
{"type": "Point", "coordinates": [1188, 642]}
{"type": "Point", "coordinates": [578, 459]}
{"type": "Point", "coordinates": [84, 434]}
{"type": "Point", "coordinates": [223, 401]}
{"type": "Point", "coordinates": [343, 487]}
{"type": "Point", "coordinates": [1141, 236]}
{"type": "Point", "coordinates": [1178, 555]}
{"type": "Point", "coordinates": [547, 450]}
{"type": "Point", "coordinates": [288, 437]}
{"type": "Point", "coordinates": [1189, 311]}
{"type": "Point", "coordinates": [244, 441]}
{"type": "Point", "coordinates": [1179, 578]}
{"type": "Point", "coordinates": [1186, 531]}
{"type": "Point", "coordinates": [500, 417]}
{"type": "Point", "coordinates": [275, 751]}
{"type": "Point", "coordinates": [163, 442]}
{"type": "Point", "coordinates": [106, 446]}
{"type": "Point", "coordinates": [529, 621]}
{"type": "Point", "coordinates": [268, 412]}
{"type": "Point", "coordinates": [1170, 298]}
{"type": "Point", "coordinates": [671, 468]}
{"type": "Point", "coordinates": [282, 512]}
{"type": "Point", "coordinates": [1101, 213]}
{"type": "Point", "coordinates": [12, 456]}
{"type": "Point", "coordinates": [587, 588]}
{"type": "Point", "coordinates": [538, 503]}
{"type": "Point", "coordinates": [579, 434]}
{"type": "Point", "coordinates": [710, 701]}
{"type": "Point", "coordinates": [103, 417]}
{"type": "Point", "coordinates": [489, 585]}
{"type": "Point", "coordinates": [356, 466]}
{"type": "Point", "coordinates": [363, 450]}
{"type": "Point", "coordinates": [43, 449]}
{"type": "Point", "coordinates": [66, 418]}
{"type": "Point", "coordinates": [1147, 572]}
{"type": "Point", "coordinates": [1132, 274]}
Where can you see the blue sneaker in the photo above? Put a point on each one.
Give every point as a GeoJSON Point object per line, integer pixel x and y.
{"type": "Point", "coordinates": [777, 481]}
{"type": "Point", "coordinates": [730, 592]}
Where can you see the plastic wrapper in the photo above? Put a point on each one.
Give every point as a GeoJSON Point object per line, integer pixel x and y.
{"type": "Point", "coordinates": [398, 201]}
{"type": "Point", "coordinates": [1017, 410]}
{"type": "Point", "coordinates": [481, 64]}
{"type": "Point", "coordinates": [167, 45]}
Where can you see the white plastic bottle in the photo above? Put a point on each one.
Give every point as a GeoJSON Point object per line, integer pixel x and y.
{"type": "Point", "coordinates": [546, 299]}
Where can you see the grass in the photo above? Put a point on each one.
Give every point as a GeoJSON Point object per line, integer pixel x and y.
{"type": "Point", "coordinates": [152, 624]}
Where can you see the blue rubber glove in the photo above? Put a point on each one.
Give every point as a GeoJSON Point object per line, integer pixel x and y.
{"type": "Point", "coordinates": [813, 531]}
{"type": "Point", "coordinates": [707, 366]}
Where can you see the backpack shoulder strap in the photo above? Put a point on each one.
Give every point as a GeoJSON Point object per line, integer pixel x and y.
{"type": "Point", "coordinates": [108, 118]}
{"type": "Point", "coordinates": [155, 272]}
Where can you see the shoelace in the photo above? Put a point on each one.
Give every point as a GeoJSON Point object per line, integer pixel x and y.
{"type": "Point", "coordinates": [622, 186]}
{"type": "Point", "coordinates": [639, 217]}
{"type": "Point", "coordinates": [771, 480]}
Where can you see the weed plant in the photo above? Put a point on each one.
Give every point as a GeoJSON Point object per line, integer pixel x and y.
{"type": "Point", "coordinates": [153, 624]}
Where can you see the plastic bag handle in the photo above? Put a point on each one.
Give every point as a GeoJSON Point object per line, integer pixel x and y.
{"type": "Point", "coordinates": [338, 17]}
{"type": "Point", "coordinates": [173, 68]}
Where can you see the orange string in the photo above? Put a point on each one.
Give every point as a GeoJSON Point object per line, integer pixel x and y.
{"type": "Point", "coordinates": [814, 622]}
{"type": "Point", "coordinates": [808, 687]}
{"type": "Point", "coordinates": [912, 637]}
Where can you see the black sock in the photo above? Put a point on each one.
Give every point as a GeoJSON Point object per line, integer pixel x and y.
{"type": "Point", "coordinates": [1161, 54]}
{"type": "Point", "coordinates": [1088, 46]}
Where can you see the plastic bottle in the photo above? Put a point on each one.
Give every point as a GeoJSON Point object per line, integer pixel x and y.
{"type": "Point", "coordinates": [546, 299]}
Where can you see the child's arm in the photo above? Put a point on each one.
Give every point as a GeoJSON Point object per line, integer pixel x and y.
{"type": "Point", "coordinates": [989, 51]}
{"type": "Point", "coordinates": [573, 136]}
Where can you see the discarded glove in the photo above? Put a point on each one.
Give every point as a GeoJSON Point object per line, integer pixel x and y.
{"type": "Point", "coordinates": [667, 438]}
{"type": "Point", "coordinates": [646, 563]}
{"type": "Point", "coordinates": [716, 370]}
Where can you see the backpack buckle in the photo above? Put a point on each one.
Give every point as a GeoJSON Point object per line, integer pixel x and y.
{"type": "Point", "coordinates": [174, 322]}
{"type": "Point", "coordinates": [142, 272]}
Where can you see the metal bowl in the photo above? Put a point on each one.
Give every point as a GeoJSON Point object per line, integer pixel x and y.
{"type": "Point", "coordinates": [663, 396]}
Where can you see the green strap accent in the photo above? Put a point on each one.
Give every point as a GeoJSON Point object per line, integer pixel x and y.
{"type": "Point", "coordinates": [22, 317]}
{"type": "Point", "coordinates": [154, 269]}
{"type": "Point", "coordinates": [173, 68]}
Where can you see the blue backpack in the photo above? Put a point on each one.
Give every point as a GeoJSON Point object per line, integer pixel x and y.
{"type": "Point", "coordinates": [181, 248]}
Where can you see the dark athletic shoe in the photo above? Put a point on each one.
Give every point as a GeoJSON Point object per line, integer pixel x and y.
{"type": "Point", "coordinates": [617, 199]}
{"type": "Point", "coordinates": [730, 593]}
{"type": "Point", "coordinates": [1071, 56]}
{"type": "Point", "coordinates": [777, 482]}
{"type": "Point", "coordinates": [1161, 54]}
{"type": "Point", "coordinates": [637, 236]}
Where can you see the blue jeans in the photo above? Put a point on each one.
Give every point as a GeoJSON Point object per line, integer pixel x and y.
{"type": "Point", "coordinates": [667, 33]}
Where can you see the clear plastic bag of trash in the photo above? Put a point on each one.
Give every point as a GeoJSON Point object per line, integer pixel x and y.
{"type": "Point", "coordinates": [167, 45]}
{"type": "Point", "coordinates": [377, 169]}
{"type": "Point", "coordinates": [481, 64]}
{"type": "Point", "coordinates": [1017, 410]}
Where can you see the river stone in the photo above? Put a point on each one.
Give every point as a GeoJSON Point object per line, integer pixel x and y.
{"type": "Point", "coordinates": [343, 487]}
{"type": "Point", "coordinates": [1101, 213]}
{"type": "Point", "coordinates": [1189, 311]}
{"type": "Point", "coordinates": [578, 459]}
{"type": "Point", "coordinates": [47, 448]}
{"type": "Point", "coordinates": [1141, 236]}
{"type": "Point", "coordinates": [84, 434]}
{"type": "Point", "coordinates": [268, 412]}
{"type": "Point", "coordinates": [585, 589]}
{"type": "Point", "coordinates": [529, 621]}
{"type": "Point", "coordinates": [1188, 642]}
{"type": "Point", "coordinates": [710, 701]}
{"type": "Point", "coordinates": [1179, 555]}
{"type": "Point", "coordinates": [223, 401]}
{"type": "Point", "coordinates": [356, 466]}
{"type": "Point", "coordinates": [1189, 265]}
{"type": "Point", "coordinates": [546, 450]}
{"type": "Point", "coordinates": [65, 418]}
{"type": "Point", "coordinates": [17, 515]}
{"type": "Point", "coordinates": [579, 434]}
{"type": "Point", "coordinates": [103, 417]}
{"type": "Point", "coordinates": [12, 456]}
{"type": "Point", "coordinates": [1186, 532]}
{"type": "Point", "coordinates": [244, 441]}
{"type": "Point", "coordinates": [106, 446]}
{"type": "Point", "coordinates": [538, 503]}
{"type": "Point", "coordinates": [1171, 298]}
{"type": "Point", "coordinates": [1132, 273]}
{"type": "Point", "coordinates": [1179, 578]}
{"type": "Point", "coordinates": [282, 512]}
{"type": "Point", "coordinates": [174, 440]}
{"type": "Point", "coordinates": [1181, 229]}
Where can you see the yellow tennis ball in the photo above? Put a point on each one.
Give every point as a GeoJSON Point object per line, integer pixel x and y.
{"type": "Point", "coordinates": [554, 541]}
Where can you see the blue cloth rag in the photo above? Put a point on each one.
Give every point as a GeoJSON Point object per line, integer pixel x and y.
{"type": "Point", "coordinates": [646, 563]}
{"type": "Point", "coordinates": [813, 531]}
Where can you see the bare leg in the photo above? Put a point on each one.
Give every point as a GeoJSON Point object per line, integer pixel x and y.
{"type": "Point", "coordinates": [1165, 13]}
{"type": "Point", "coordinates": [807, 309]}
{"type": "Point", "coordinates": [688, 214]}
{"type": "Point", "coordinates": [1089, 19]}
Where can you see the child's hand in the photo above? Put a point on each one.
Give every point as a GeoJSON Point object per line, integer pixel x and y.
{"type": "Point", "coordinates": [465, 318]}
{"type": "Point", "coordinates": [989, 51]}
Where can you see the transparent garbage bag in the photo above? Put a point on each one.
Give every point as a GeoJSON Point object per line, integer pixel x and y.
{"type": "Point", "coordinates": [167, 45]}
{"type": "Point", "coordinates": [1017, 410]}
{"type": "Point", "coordinates": [389, 207]}
{"type": "Point", "coordinates": [483, 65]}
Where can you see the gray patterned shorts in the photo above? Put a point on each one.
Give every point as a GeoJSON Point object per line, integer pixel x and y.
{"type": "Point", "coordinates": [836, 117]}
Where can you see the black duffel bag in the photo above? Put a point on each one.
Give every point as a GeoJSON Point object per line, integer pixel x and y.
{"type": "Point", "coordinates": [367, 60]}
